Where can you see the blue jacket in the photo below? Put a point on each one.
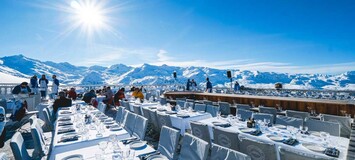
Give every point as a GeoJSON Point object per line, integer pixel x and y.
{"type": "Point", "coordinates": [56, 81]}
{"type": "Point", "coordinates": [34, 83]}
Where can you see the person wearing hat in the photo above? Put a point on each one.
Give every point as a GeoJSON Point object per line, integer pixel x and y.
{"type": "Point", "coordinates": [22, 89]}
{"type": "Point", "coordinates": [34, 84]}
{"type": "Point", "coordinates": [43, 85]}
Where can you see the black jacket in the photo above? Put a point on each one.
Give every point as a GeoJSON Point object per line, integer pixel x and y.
{"type": "Point", "coordinates": [17, 89]}
{"type": "Point", "coordinates": [61, 102]}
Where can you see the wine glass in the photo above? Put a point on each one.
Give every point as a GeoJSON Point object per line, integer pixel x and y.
{"type": "Point", "coordinates": [325, 136]}
{"type": "Point", "coordinates": [267, 122]}
{"type": "Point", "coordinates": [218, 114]}
{"type": "Point", "coordinates": [103, 146]}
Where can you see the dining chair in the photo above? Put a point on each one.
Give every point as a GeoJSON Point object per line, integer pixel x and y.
{"type": "Point", "coordinates": [207, 102]}
{"type": "Point", "coordinates": [212, 110]}
{"type": "Point", "coordinates": [220, 152]}
{"type": "Point", "coordinates": [163, 101]}
{"type": "Point", "coordinates": [40, 148]}
{"type": "Point", "coordinates": [297, 114]}
{"type": "Point", "coordinates": [137, 109]}
{"type": "Point", "coordinates": [164, 120]}
{"type": "Point", "coordinates": [200, 130]}
{"type": "Point", "coordinates": [18, 147]}
{"type": "Point", "coordinates": [189, 105]}
{"type": "Point", "coordinates": [140, 127]}
{"type": "Point", "coordinates": [292, 154]}
{"type": "Point", "coordinates": [126, 105]}
{"type": "Point", "coordinates": [288, 121]}
{"type": "Point", "coordinates": [180, 103]}
{"type": "Point", "coordinates": [244, 114]}
{"type": "Point", "coordinates": [154, 117]}
{"type": "Point", "coordinates": [243, 106]}
{"type": "Point", "coordinates": [345, 123]}
{"type": "Point", "coordinates": [257, 149]}
{"type": "Point", "coordinates": [193, 148]}
{"type": "Point", "coordinates": [262, 116]}
{"type": "Point", "coordinates": [119, 114]}
{"type": "Point", "coordinates": [330, 127]}
{"type": "Point", "coordinates": [130, 122]}
{"type": "Point", "coordinates": [225, 108]}
{"type": "Point", "coordinates": [269, 110]}
{"type": "Point", "coordinates": [226, 138]}
{"type": "Point", "coordinates": [181, 99]}
{"type": "Point", "coordinates": [168, 142]}
{"type": "Point", "coordinates": [146, 114]}
{"type": "Point", "coordinates": [200, 107]}
{"type": "Point", "coordinates": [47, 118]}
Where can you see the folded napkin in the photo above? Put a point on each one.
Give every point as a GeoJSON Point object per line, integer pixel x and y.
{"type": "Point", "coordinates": [64, 119]}
{"type": "Point", "coordinates": [221, 124]}
{"type": "Point", "coordinates": [65, 108]}
{"type": "Point", "coordinates": [128, 140]}
{"type": "Point", "coordinates": [333, 152]}
{"type": "Point", "coordinates": [290, 141]}
{"type": "Point", "coordinates": [147, 155]}
{"type": "Point", "coordinates": [161, 109]}
{"type": "Point", "coordinates": [69, 138]}
{"type": "Point", "coordinates": [65, 130]}
{"type": "Point", "coordinates": [65, 123]}
{"type": "Point", "coordinates": [65, 112]}
{"type": "Point", "coordinates": [183, 115]}
{"type": "Point", "coordinates": [256, 133]}
{"type": "Point", "coordinates": [152, 107]}
{"type": "Point", "coordinates": [171, 112]}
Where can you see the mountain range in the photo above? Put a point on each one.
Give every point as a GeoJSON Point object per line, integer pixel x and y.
{"type": "Point", "coordinates": [18, 68]}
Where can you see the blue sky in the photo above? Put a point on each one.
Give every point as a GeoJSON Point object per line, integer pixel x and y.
{"type": "Point", "coordinates": [296, 36]}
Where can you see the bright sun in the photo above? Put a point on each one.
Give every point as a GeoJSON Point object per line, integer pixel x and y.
{"type": "Point", "coordinates": [89, 15]}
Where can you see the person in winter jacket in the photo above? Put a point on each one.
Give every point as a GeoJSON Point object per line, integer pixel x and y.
{"type": "Point", "coordinates": [208, 86]}
{"type": "Point", "coordinates": [55, 87]}
{"type": "Point", "coordinates": [119, 96]}
{"type": "Point", "coordinates": [72, 94]}
{"type": "Point", "coordinates": [43, 86]}
{"type": "Point", "coordinates": [21, 89]}
{"type": "Point", "coordinates": [34, 84]}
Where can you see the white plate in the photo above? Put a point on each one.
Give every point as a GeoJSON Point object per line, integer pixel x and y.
{"type": "Point", "coordinates": [220, 123]}
{"type": "Point", "coordinates": [314, 147]}
{"type": "Point", "coordinates": [314, 133]}
{"type": "Point", "coordinates": [137, 144]}
{"type": "Point", "coordinates": [109, 122]}
{"type": "Point", "coordinates": [247, 130]}
{"type": "Point", "coordinates": [157, 157]}
{"type": "Point", "coordinates": [74, 157]}
{"type": "Point", "coordinates": [275, 138]}
{"type": "Point", "coordinates": [279, 126]}
{"type": "Point", "coordinates": [115, 128]}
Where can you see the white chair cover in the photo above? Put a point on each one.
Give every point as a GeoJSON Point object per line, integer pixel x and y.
{"type": "Point", "coordinates": [288, 121]}
{"type": "Point", "coordinates": [119, 114]}
{"type": "Point", "coordinates": [297, 114]}
{"type": "Point", "coordinates": [292, 154]}
{"type": "Point", "coordinates": [257, 150]}
{"type": "Point", "coordinates": [189, 105]}
{"type": "Point", "coordinates": [207, 102]}
{"type": "Point", "coordinates": [226, 138]}
{"type": "Point", "coordinates": [224, 107]}
{"type": "Point", "coordinates": [164, 120]}
{"type": "Point", "coordinates": [140, 127]}
{"type": "Point", "coordinates": [193, 148]}
{"type": "Point", "coordinates": [155, 122]}
{"type": "Point", "coordinates": [18, 147]}
{"type": "Point", "coordinates": [269, 110]}
{"type": "Point", "coordinates": [102, 107]}
{"type": "Point", "coordinates": [163, 101]}
{"type": "Point", "coordinates": [137, 109]}
{"type": "Point", "coordinates": [245, 114]}
{"type": "Point", "coordinates": [345, 123]}
{"type": "Point", "coordinates": [38, 139]}
{"type": "Point", "coordinates": [146, 114]}
{"type": "Point", "coordinates": [212, 110]}
{"type": "Point", "coordinates": [316, 125]}
{"type": "Point", "coordinates": [201, 131]}
{"type": "Point", "coordinates": [130, 122]}
{"type": "Point", "coordinates": [168, 142]}
{"type": "Point", "coordinates": [200, 107]}
{"type": "Point", "coordinates": [243, 106]}
{"type": "Point", "coordinates": [49, 124]}
{"type": "Point", "coordinates": [222, 153]}
{"type": "Point", "coordinates": [180, 103]}
{"type": "Point", "coordinates": [262, 116]}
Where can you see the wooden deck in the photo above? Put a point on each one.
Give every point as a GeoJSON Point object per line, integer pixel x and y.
{"type": "Point", "coordinates": [300, 104]}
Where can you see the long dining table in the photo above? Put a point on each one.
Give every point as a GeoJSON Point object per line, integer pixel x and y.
{"type": "Point", "coordinates": [306, 144]}
{"type": "Point", "coordinates": [90, 133]}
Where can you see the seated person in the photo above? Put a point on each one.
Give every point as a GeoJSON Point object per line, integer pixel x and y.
{"type": "Point", "coordinates": [88, 96]}
{"type": "Point", "coordinates": [23, 88]}
{"type": "Point", "coordinates": [62, 101]}
{"type": "Point", "coordinates": [72, 94]}
{"type": "Point", "coordinates": [119, 96]}
{"type": "Point", "coordinates": [108, 96]}
{"type": "Point", "coordinates": [138, 94]}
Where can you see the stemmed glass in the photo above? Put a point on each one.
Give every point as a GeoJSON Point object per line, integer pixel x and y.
{"type": "Point", "coordinates": [218, 114]}
{"type": "Point", "coordinates": [103, 146]}
{"type": "Point", "coordinates": [325, 136]}
{"type": "Point", "coordinates": [267, 122]}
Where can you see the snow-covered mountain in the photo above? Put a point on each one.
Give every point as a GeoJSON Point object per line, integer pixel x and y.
{"type": "Point", "coordinates": [14, 69]}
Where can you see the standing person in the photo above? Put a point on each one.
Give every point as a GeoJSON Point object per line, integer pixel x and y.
{"type": "Point", "coordinates": [43, 86]}
{"type": "Point", "coordinates": [193, 85]}
{"type": "Point", "coordinates": [55, 86]}
{"type": "Point", "coordinates": [208, 85]}
{"type": "Point", "coordinates": [34, 84]}
{"type": "Point", "coordinates": [119, 96]}
{"type": "Point", "coordinates": [236, 86]}
{"type": "Point", "coordinates": [188, 84]}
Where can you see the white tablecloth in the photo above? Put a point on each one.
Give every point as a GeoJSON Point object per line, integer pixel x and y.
{"type": "Point", "coordinates": [342, 143]}
{"type": "Point", "coordinates": [58, 148]}
{"type": "Point", "coordinates": [91, 151]}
